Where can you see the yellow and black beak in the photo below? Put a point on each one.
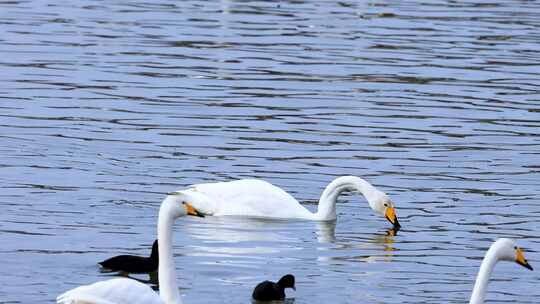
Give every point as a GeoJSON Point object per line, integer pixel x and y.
{"type": "Point", "coordinates": [192, 211]}
{"type": "Point", "coordinates": [391, 216]}
{"type": "Point", "coordinates": [520, 259]}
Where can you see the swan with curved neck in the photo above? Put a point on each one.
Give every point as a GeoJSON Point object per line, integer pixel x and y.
{"type": "Point", "coordinates": [258, 198]}
{"type": "Point", "coordinates": [123, 290]}
{"type": "Point", "coordinates": [501, 250]}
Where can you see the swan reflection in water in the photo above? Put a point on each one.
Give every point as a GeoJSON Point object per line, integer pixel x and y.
{"type": "Point", "coordinates": [337, 250]}
{"type": "Point", "coordinates": [326, 233]}
{"type": "Point", "coordinates": [237, 229]}
{"type": "Point", "coordinates": [233, 236]}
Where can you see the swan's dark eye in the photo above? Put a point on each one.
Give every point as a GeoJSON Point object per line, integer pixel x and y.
{"type": "Point", "coordinates": [183, 203]}
{"type": "Point", "coordinates": [386, 204]}
{"type": "Point", "coordinates": [515, 247]}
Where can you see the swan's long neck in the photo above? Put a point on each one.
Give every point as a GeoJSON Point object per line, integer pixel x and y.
{"type": "Point", "coordinates": [480, 287]}
{"type": "Point", "coordinates": [327, 202]}
{"type": "Point", "coordinates": [166, 269]}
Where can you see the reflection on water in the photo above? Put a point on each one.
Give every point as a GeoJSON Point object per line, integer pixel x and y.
{"type": "Point", "coordinates": [376, 248]}
{"type": "Point", "coordinates": [386, 241]}
{"type": "Point", "coordinates": [107, 106]}
{"type": "Point", "coordinates": [286, 301]}
{"type": "Point", "coordinates": [326, 231]}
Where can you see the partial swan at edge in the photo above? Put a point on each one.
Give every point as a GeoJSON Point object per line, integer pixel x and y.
{"type": "Point", "coordinates": [124, 291]}
{"type": "Point", "coordinates": [258, 198]}
{"type": "Point", "coordinates": [501, 250]}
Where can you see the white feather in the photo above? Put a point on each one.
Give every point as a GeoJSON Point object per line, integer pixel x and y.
{"type": "Point", "coordinates": [128, 291]}
{"type": "Point", "coordinates": [114, 291]}
{"type": "Point", "coordinates": [258, 198]}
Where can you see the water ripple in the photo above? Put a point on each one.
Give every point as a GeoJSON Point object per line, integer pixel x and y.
{"type": "Point", "coordinates": [106, 107]}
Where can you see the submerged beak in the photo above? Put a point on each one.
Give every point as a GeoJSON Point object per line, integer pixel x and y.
{"type": "Point", "coordinates": [192, 211]}
{"type": "Point", "coordinates": [391, 216]}
{"type": "Point", "coordinates": [392, 231]}
{"type": "Point", "coordinates": [520, 259]}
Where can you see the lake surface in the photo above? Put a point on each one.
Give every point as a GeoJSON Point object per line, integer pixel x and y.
{"type": "Point", "coordinates": [105, 106]}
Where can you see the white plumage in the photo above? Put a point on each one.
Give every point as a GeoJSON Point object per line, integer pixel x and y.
{"type": "Point", "coordinates": [258, 198]}
{"type": "Point", "coordinates": [501, 250]}
{"type": "Point", "coordinates": [248, 197]}
{"type": "Point", "coordinates": [127, 291]}
{"type": "Point", "coordinates": [114, 291]}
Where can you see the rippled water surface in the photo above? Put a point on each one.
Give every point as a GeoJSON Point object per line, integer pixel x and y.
{"type": "Point", "coordinates": [105, 106]}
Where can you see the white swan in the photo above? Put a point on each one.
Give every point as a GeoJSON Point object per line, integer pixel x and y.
{"type": "Point", "coordinates": [258, 198]}
{"type": "Point", "coordinates": [123, 290]}
{"type": "Point", "coordinates": [501, 250]}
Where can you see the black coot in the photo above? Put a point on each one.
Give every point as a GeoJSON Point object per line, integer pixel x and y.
{"type": "Point", "coordinates": [132, 263]}
{"type": "Point", "coordinates": [270, 291]}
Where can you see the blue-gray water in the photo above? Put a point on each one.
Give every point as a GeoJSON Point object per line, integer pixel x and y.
{"type": "Point", "coordinates": [105, 106]}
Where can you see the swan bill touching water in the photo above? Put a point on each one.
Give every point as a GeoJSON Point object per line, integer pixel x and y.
{"type": "Point", "coordinates": [123, 290]}
{"type": "Point", "coordinates": [501, 250]}
{"type": "Point", "coordinates": [258, 198]}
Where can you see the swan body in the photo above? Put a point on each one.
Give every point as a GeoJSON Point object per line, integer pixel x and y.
{"type": "Point", "coordinates": [247, 197]}
{"type": "Point", "coordinates": [114, 291]}
{"type": "Point", "coordinates": [258, 198]}
{"type": "Point", "coordinates": [501, 250]}
{"type": "Point", "coordinates": [127, 291]}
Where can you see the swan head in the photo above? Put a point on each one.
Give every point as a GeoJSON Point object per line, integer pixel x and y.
{"type": "Point", "coordinates": [381, 203]}
{"type": "Point", "coordinates": [180, 204]}
{"type": "Point", "coordinates": [507, 250]}
{"type": "Point", "coordinates": [378, 200]}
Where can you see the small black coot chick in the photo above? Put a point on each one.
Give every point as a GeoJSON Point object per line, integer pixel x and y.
{"type": "Point", "coordinates": [132, 263]}
{"type": "Point", "coordinates": [270, 291]}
